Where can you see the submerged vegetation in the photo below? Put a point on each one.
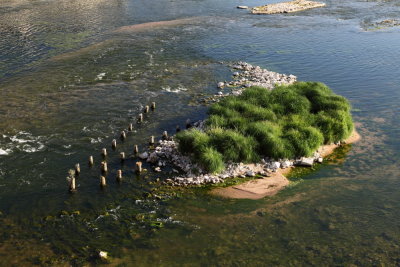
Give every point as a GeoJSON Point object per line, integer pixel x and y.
{"type": "Point", "coordinates": [287, 122]}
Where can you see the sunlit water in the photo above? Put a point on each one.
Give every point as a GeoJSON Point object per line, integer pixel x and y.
{"type": "Point", "coordinates": [69, 84]}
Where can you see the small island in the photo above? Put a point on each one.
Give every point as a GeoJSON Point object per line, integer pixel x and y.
{"type": "Point", "coordinates": [265, 132]}
{"type": "Point", "coordinates": [286, 7]}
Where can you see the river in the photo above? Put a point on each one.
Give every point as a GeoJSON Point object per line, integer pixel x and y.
{"type": "Point", "coordinates": [71, 79]}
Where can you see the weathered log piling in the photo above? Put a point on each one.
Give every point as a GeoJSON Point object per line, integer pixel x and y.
{"type": "Point", "coordinates": [77, 169]}
{"type": "Point", "coordinates": [104, 152]}
{"type": "Point", "coordinates": [102, 181]}
{"type": "Point", "coordinates": [136, 150]}
{"type": "Point", "coordinates": [140, 118]}
{"type": "Point", "coordinates": [119, 175]}
{"type": "Point", "coordinates": [114, 144]}
{"type": "Point", "coordinates": [123, 135]}
{"type": "Point", "coordinates": [104, 167]}
{"type": "Point", "coordinates": [91, 161]}
{"type": "Point", "coordinates": [165, 135]}
{"type": "Point", "coordinates": [138, 167]}
{"type": "Point", "coordinates": [122, 156]}
{"type": "Point", "coordinates": [72, 185]}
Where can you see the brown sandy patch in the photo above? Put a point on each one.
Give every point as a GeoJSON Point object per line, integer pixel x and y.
{"type": "Point", "coordinates": [286, 7]}
{"type": "Point", "coordinates": [127, 29]}
{"type": "Point", "coordinates": [153, 25]}
{"type": "Point", "coordinates": [269, 186]}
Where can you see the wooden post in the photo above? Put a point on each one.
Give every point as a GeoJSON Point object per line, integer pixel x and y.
{"type": "Point", "coordinates": [119, 175]}
{"type": "Point", "coordinates": [153, 105]}
{"type": "Point", "coordinates": [130, 127]}
{"type": "Point", "coordinates": [123, 135]}
{"type": "Point", "coordinates": [136, 149]}
{"type": "Point", "coordinates": [114, 144]}
{"type": "Point", "coordinates": [146, 109]}
{"type": "Point", "coordinates": [91, 162]}
{"type": "Point", "coordinates": [104, 152]}
{"type": "Point", "coordinates": [188, 124]}
{"type": "Point", "coordinates": [139, 167]}
{"type": "Point", "coordinates": [104, 167]}
{"type": "Point", "coordinates": [77, 169]}
{"type": "Point", "coordinates": [122, 156]}
{"type": "Point", "coordinates": [178, 128]}
{"type": "Point", "coordinates": [165, 135]}
{"type": "Point", "coordinates": [72, 187]}
{"type": "Point", "coordinates": [151, 140]}
{"type": "Point", "coordinates": [140, 118]}
{"type": "Point", "coordinates": [102, 181]}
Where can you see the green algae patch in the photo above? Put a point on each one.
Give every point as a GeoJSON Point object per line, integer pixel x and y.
{"type": "Point", "coordinates": [288, 122]}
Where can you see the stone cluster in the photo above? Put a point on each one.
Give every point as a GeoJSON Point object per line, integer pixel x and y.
{"type": "Point", "coordinates": [247, 75]}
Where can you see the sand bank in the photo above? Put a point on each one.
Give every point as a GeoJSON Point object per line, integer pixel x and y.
{"type": "Point", "coordinates": [269, 186]}
{"type": "Point", "coordinates": [286, 7]}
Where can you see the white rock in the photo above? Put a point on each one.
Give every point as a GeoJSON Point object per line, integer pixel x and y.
{"type": "Point", "coordinates": [250, 174]}
{"type": "Point", "coordinates": [308, 162]}
{"type": "Point", "coordinates": [157, 169]}
{"type": "Point", "coordinates": [242, 7]}
{"type": "Point", "coordinates": [103, 255]}
{"type": "Point", "coordinates": [221, 84]}
{"type": "Point", "coordinates": [144, 155]}
{"type": "Point", "coordinates": [320, 159]}
{"type": "Point", "coordinates": [275, 165]}
{"type": "Point", "coordinates": [286, 164]}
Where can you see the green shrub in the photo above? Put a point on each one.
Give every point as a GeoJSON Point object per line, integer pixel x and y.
{"type": "Point", "coordinates": [233, 145]}
{"type": "Point", "coordinates": [211, 160]}
{"type": "Point", "coordinates": [287, 122]}
{"type": "Point", "coordinates": [192, 141]}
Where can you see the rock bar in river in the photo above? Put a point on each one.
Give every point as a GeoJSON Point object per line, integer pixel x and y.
{"type": "Point", "coordinates": [286, 7]}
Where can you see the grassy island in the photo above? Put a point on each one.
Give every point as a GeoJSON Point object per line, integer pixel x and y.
{"type": "Point", "coordinates": [288, 122]}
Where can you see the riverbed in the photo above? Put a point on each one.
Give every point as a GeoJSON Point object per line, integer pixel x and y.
{"type": "Point", "coordinates": [70, 81]}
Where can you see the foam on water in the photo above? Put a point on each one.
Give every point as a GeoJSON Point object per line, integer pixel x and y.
{"type": "Point", "coordinates": [22, 141]}
{"type": "Point", "coordinates": [172, 90]}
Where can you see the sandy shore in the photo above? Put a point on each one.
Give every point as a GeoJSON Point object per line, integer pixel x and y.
{"type": "Point", "coordinates": [286, 7]}
{"type": "Point", "coordinates": [269, 186]}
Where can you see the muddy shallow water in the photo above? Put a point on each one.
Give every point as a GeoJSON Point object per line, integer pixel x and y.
{"type": "Point", "coordinates": [70, 82]}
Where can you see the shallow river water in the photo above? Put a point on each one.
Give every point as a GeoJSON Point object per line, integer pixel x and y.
{"type": "Point", "coordinates": [71, 79]}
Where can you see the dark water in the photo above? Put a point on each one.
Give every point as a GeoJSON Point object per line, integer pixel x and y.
{"type": "Point", "coordinates": [69, 84]}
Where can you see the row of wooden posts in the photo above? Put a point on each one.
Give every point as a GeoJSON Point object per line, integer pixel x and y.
{"type": "Point", "coordinates": [104, 166]}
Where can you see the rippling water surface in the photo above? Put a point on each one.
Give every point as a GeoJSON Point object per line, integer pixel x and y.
{"type": "Point", "coordinates": [71, 80]}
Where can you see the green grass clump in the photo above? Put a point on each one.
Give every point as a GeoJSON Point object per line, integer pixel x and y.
{"type": "Point", "coordinates": [287, 122]}
{"type": "Point", "coordinates": [212, 159]}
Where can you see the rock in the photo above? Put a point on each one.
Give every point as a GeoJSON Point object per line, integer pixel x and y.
{"type": "Point", "coordinates": [242, 176]}
{"type": "Point", "coordinates": [103, 255]}
{"type": "Point", "coordinates": [152, 158]}
{"type": "Point", "coordinates": [286, 164]}
{"type": "Point", "coordinates": [320, 159]}
{"type": "Point", "coordinates": [144, 155]}
{"type": "Point", "coordinates": [308, 162]}
{"type": "Point", "coordinates": [221, 84]}
{"type": "Point", "coordinates": [275, 165]}
{"type": "Point", "coordinates": [220, 93]}
{"type": "Point", "coordinates": [250, 174]}
{"type": "Point", "coordinates": [242, 7]}
{"type": "Point", "coordinates": [157, 169]}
